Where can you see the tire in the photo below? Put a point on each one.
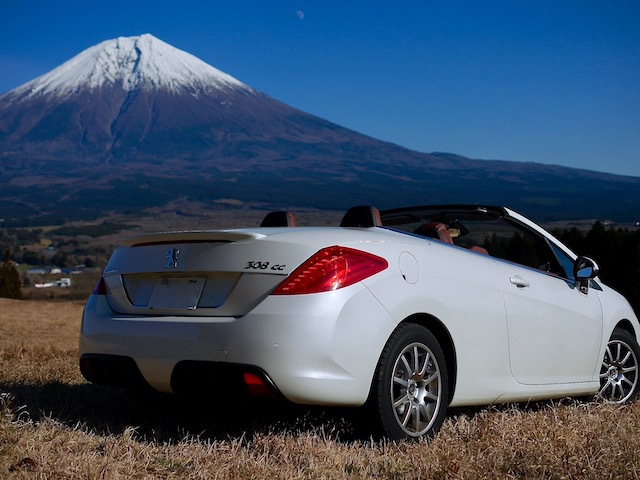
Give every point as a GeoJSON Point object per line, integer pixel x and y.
{"type": "Point", "coordinates": [619, 372]}
{"type": "Point", "coordinates": [410, 390]}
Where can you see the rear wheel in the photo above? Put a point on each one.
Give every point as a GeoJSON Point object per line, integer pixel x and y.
{"type": "Point", "coordinates": [410, 392]}
{"type": "Point", "coordinates": [619, 375]}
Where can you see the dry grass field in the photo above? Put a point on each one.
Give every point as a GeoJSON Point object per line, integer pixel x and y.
{"type": "Point", "coordinates": [55, 425]}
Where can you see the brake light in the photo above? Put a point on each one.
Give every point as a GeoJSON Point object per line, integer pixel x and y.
{"type": "Point", "coordinates": [100, 288]}
{"type": "Point", "coordinates": [330, 269]}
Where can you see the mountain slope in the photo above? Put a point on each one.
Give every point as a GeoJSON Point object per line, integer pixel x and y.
{"type": "Point", "coordinates": [134, 122]}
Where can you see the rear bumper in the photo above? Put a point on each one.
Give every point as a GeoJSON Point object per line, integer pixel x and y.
{"type": "Point", "coordinates": [114, 370]}
{"type": "Point", "coordinates": [325, 353]}
{"type": "Point", "coordinates": [189, 378]}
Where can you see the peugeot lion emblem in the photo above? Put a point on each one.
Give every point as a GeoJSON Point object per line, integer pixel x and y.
{"type": "Point", "coordinates": [172, 258]}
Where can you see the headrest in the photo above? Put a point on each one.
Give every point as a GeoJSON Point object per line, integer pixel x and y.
{"type": "Point", "coordinates": [361, 216]}
{"type": "Point", "coordinates": [434, 230]}
{"type": "Point", "coordinates": [279, 219]}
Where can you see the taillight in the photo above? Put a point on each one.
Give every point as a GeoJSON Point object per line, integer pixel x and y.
{"type": "Point", "coordinates": [100, 288]}
{"type": "Point", "coordinates": [330, 269]}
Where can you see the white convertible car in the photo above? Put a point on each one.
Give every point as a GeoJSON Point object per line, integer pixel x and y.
{"type": "Point", "coordinates": [407, 311]}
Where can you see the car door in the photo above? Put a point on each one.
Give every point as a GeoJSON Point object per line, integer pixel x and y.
{"type": "Point", "coordinates": [554, 330]}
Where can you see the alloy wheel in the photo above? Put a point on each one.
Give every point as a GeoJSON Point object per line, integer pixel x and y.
{"type": "Point", "coordinates": [416, 392]}
{"type": "Point", "coordinates": [618, 372]}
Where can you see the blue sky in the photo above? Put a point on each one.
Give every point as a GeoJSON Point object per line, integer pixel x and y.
{"type": "Point", "coordinates": [539, 81]}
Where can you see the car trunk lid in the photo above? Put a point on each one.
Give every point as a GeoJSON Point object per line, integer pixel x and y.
{"type": "Point", "coordinates": [202, 273]}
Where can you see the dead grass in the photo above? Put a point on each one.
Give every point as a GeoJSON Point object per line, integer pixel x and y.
{"type": "Point", "coordinates": [39, 324]}
{"type": "Point", "coordinates": [55, 425]}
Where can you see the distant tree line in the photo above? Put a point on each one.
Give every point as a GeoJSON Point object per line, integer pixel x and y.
{"type": "Point", "coordinates": [24, 247]}
{"type": "Point", "coordinates": [9, 278]}
{"type": "Point", "coordinates": [617, 252]}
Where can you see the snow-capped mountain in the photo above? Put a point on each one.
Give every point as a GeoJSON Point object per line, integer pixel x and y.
{"type": "Point", "coordinates": [133, 98]}
{"type": "Point", "coordinates": [134, 122]}
{"type": "Point", "coordinates": [132, 63]}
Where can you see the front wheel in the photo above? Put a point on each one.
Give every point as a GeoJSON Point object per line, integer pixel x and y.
{"type": "Point", "coordinates": [619, 379]}
{"type": "Point", "coordinates": [410, 392]}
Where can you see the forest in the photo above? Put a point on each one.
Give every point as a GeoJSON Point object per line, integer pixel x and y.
{"type": "Point", "coordinates": [617, 252]}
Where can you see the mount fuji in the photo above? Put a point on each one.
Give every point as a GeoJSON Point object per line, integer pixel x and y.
{"type": "Point", "coordinates": [134, 98]}
{"type": "Point", "coordinates": [134, 122]}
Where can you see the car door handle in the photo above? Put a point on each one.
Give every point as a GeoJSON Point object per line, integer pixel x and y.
{"type": "Point", "coordinates": [518, 281]}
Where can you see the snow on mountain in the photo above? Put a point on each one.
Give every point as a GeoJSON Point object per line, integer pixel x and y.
{"type": "Point", "coordinates": [140, 62]}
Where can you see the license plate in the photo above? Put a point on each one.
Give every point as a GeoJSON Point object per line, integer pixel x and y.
{"type": "Point", "coordinates": [180, 293]}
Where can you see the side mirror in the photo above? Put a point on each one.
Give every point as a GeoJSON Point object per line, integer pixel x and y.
{"type": "Point", "coordinates": [585, 269]}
